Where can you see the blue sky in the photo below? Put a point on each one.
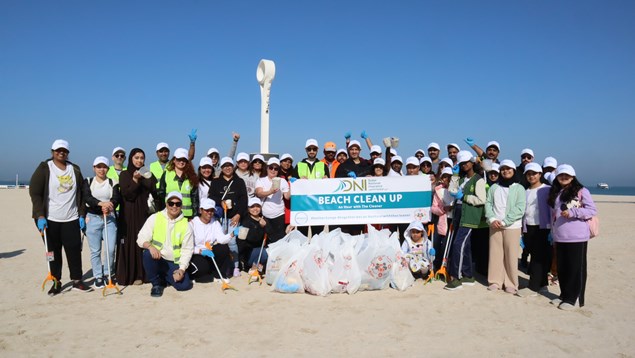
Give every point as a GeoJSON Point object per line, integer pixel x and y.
{"type": "Point", "coordinates": [555, 76]}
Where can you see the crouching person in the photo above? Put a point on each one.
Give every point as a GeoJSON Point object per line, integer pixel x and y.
{"type": "Point", "coordinates": [167, 239]}
{"type": "Point", "coordinates": [208, 231]}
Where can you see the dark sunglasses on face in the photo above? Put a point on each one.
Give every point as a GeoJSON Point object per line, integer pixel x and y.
{"type": "Point", "coordinates": [181, 160]}
{"type": "Point", "coordinates": [173, 203]}
{"type": "Point", "coordinates": [163, 151]}
{"type": "Point", "coordinates": [273, 167]}
{"type": "Point", "coordinates": [120, 155]}
{"type": "Point", "coordinates": [311, 149]}
{"type": "Point", "coordinates": [61, 151]}
{"type": "Point", "coordinates": [525, 156]}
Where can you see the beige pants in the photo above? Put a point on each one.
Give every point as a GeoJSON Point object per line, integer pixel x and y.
{"type": "Point", "coordinates": [504, 249]}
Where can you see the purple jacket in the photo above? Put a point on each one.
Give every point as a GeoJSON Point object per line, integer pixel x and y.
{"type": "Point", "coordinates": [574, 228]}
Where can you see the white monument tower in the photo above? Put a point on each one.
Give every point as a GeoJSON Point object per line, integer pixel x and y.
{"type": "Point", "coordinates": [264, 74]}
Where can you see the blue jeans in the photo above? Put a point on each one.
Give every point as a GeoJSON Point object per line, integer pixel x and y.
{"type": "Point", "coordinates": [233, 249]}
{"type": "Point", "coordinates": [159, 272]}
{"type": "Point", "coordinates": [95, 232]}
{"type": "Point", "coordinates": [253, 258]}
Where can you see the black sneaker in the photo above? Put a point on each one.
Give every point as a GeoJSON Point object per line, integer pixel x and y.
{"type": "Point", "coordinates": [453, 285]}
{"type": "Point", "coordinates": [468, 281]}
{"type": "Point", "coordinates": [156, 291]}
{"type": "Point", "coordinates": [81, 287]}
{"type": "Point", "coordinates": [56, 289]}
{"type": "Point", "coordinates": [99, 283]}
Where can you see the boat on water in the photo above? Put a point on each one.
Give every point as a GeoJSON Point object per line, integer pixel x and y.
{"type": "Point", "coordinates": [603, 186]}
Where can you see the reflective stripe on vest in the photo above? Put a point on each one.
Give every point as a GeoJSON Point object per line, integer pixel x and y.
{"type": "Point", "coordinates": [317, 173]}
{"type": "Point", "coordinates": [157, 170]}
{"type": "Point", "coordinates": [172, 184]}
{"type": "Point", "coordinates": [159, 233]}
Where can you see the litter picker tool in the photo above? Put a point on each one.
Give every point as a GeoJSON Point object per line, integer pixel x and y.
{"type": "Point", "coordinates": [109, 284]}
{"type": "Point", "coordinates": [256, 268]}
{"type": "Point", "coordinates": [443, 270]}
{"type": "Point", "coordinates": [49, 258]}
{"type": "Point", "coordinates": [431, 236]}
{"type": "Point", "coordinates": [225, 285]}
{"type": "Point", "coordinates": [225, 225]}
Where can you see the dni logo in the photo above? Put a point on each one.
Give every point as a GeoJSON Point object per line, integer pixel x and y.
{"type": "Point", "coordinates": [351, 185]}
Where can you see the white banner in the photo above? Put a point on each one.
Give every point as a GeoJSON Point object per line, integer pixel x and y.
{"type": "Point", "coordinates": [368, 200]}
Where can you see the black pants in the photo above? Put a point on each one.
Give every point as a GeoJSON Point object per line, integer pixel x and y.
{"type": "Point", "coordinates": [572, 271]}
{"type": "Point", "coordinates": [539, 248]}
{"type": "Point", "coordinates": [480, 250]}
{"type": "Point", "coordinates": [277, 228]}
{"type": "Point", "coordinates": [66, 235]}
{"type": "Point", "coordinates": [202, 267]}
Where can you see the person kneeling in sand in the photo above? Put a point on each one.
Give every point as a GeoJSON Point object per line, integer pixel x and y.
{"type": "Point", "coordinates": [167, 239]}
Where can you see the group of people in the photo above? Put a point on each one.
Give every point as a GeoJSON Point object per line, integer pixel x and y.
{"type": "Point", "coordinates": [170, 223]}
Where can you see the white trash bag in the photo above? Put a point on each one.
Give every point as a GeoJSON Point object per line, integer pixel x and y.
{"type": "Point", "coordinates": [289, 278]}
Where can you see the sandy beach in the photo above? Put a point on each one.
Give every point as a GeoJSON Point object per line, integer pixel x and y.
{"type": "Point", "coordinates": [253, 321]}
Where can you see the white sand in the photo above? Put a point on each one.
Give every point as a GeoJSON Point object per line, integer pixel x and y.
{"type": "Point", "coordinates": [423, 321]}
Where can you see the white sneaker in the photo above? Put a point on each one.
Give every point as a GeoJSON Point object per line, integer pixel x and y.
{"type": "Point", "coordinates": [526, 292]}
{"type": "Point", "coordinates": [236, 272]}
{"type": "Point", "coordinates": [566, 306]}
{"type": "Point", "coordinates": [556, 302]}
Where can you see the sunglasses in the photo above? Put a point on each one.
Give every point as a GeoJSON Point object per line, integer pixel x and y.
{"type": "Point", "coordinates": [525, 156]}
{"type": "Point", "coordinates": [61, 151]}
{"type": "Point", "coordinates": [208, 210]}
{"type": "Point", "coordinates": [311, 149]}
{"type": "Point", "coordinates": [173, 203]}
{"type": "Point", "coordinates": [119, 155]}
{"type": "Point", "coordinates": [273, 167]}
{"type": "Point", "coordinates": [258, 162]}
{"type": "Point", "coordinates": [163, 151]}
{"type": "Point", "coordinates": [181, 160]}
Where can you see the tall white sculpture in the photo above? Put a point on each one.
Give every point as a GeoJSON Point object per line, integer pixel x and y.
{"type": "Point", "coordinates": [264, 74]}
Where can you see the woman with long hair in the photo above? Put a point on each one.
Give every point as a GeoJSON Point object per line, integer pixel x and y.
{"type": "Point", "coordinates": [179, 175]}
{"type": "Point", "coordinates": [572, 206]}
{"type": "Point", "coordinates": [205, 176]}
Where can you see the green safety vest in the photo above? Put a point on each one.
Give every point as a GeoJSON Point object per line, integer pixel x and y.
{"type": "Point", "coordinates": [317, 173]}
{"type": "Point", "coordinates": [172, 184]}
{"type": "Point", "coordinates": [159, 233]}
{"type": "Point", "coordinates": [157, 170]}
{"type": "Point", "coordinates": [112, 173]}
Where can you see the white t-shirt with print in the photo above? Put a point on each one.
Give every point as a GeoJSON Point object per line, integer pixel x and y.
{"type": "Point", "coordinates": [62, 200]}
{"type": "Point", "coordinates": [273, 205]}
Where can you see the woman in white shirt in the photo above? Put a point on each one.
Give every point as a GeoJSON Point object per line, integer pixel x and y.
{"type": "Point", "coordinates": [271, 190]}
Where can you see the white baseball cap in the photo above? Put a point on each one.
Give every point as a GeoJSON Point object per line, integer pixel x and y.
{"type": "Point", "coordinates": [311, 143]}
{"type": "Point", "coordinates": [375, 149]}
{"type": "Point", "coordinates": [273, 160]}
{"type": "Point", "coordinates": [393, 151]}
{"type": "Point", "coordinates": [493, 144]}
{"type": "Point", "coordinates": [254, 201]}
{"type": "Point", "coordinates": [258, 157]}
{"type": "Point", "coordinates": [453, 145]}
{"type": "Point", "coordinates": [59, 143]}
{"type": "Point", "coordinates": [565, 169]}
{"type": "Point", "coordinates": [242, 156]}
{"type": "Point", "coordinates": [550, 162]}
{"type": "Point", "coordinates": [495, 168]}
{"type": "Point", "coordinates": [379, 161]}
{"type": "Point", "coordinates": [205, 161]}
{"type": "Point", "coordinates": [226, 160]}
{"type": "Point", "coordinates": [212, 150]}
{"type": "Point", "coordinates": [446, 170]}
{"type": "Point", "coordinates": [508, 163]}
{"type": "Point", "coordinates": [420, 151]}
{"type": "Point", "coordinates": [434, 145]}
{"type": "Point", "coordinates": [534, 167]}
{"type": "Point", "coordinates": [463, 156]}
{"type": "Point", "coordinates": [118, 149]}
{"type": "Point", "coordinates": [100, 160]}
{"type": "Point", "coordinates": [341, 150]}
{"type": "Point", "coordinates": [425, 159]}
{"type": "Point", "coordinates": [447, 161]}
{"type": "Point", "coordinates": [162, 145]}
{"type": "Point", "coordinates": [355, 142]}
{"type": "Point", "coordinates": [207, 203]}
{"type": "Point", "coordinates": [286, 156]}
{"type": "Point", "coordinates": [397, 158]}
{"type": "Point", "coordinates": [527, 151]}
{"type": "Point", "coordinates": [174, 194]}
{"type": "Point", "coordinates": [412, 161]}
{"type": "Point", "coordinates": [180, 153]}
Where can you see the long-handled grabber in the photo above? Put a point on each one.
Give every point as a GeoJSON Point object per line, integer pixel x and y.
{"type": "Point", "coordinates": [443, 270]}
{"type": "Point", "coordinates": [49, 258]}
{"type": "Point", "coordinates": [109, 284]}
{"type": "Point", "coordinates": [225, 224]}
{"type": "Point", "coordinates": [225, 282]}
{"type": "Point", "coordinates": [256, 268]}
{"type": "Point", "coordinates": [431, 236]}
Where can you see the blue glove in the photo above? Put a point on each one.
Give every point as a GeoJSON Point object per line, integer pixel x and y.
{"type": "Point", "coordinates": [208, 253]}
{"type": "Point", "coordinates": [458, 195]}
{"type": "Point", "coordinates": [41, 224]}
{"type": "Point", "coordinates": [347, 135]}
{"type": "Point", "coordinates": [456, 169]}
{"type": "Point", "coordinates": [364, 135]}
{"type": "Point", "coordinates": [432, 252]}
{"type": "Point", "coordinates": [82, 223]}
{"type": "Point", "coordinates": [193, 135]}
{"type": "Point", "coordinates": [292, 179]}
{"type": "Point", "coordinates": [522, 243]}
{"type": "Point", "coordinates": [352, 175]}
{"type": "Point", "coordinates": [469, 141]}
{"type": "Point", "coordinates": [236, 230]}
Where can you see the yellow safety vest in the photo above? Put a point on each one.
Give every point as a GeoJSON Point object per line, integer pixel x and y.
{"type": "Point", "coordinates": [317, 173]}
{"type": "Point", "coordinates": [159, 233]}
{"type": "Point", "coordinates": [172, 184]}
{"type": "Point", "coordinates": [112, 173]}
{"type": "Point", "coordinates": [157, 170]}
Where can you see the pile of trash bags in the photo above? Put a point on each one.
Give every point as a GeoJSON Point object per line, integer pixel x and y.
{"type": "Point", "coordinates": [336, 262]}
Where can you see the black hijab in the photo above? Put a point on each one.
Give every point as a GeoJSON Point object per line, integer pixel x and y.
{"type": "Point", "coordinates": [134, 151]}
